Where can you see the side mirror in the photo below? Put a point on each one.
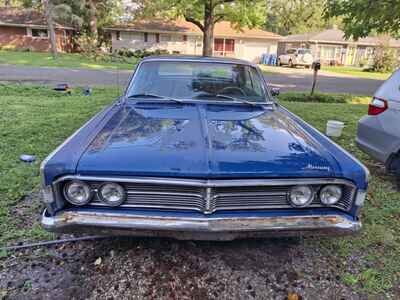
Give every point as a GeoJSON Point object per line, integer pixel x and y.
{"type": "Point", "coordinates": [275, 92]}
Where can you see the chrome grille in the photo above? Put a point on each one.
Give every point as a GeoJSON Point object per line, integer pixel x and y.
{"type": "Point", "coordinates": [208, 198]}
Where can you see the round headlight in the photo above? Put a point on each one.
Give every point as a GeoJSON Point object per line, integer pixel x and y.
{"type": "Point", "coordinates": [301, 195]}
{"type": "Point", "coordinates": [330, 194]}
{"type": "Point", "coordinates": [77, 192]}
{"type": "Point", "coordinates": [112, 194]}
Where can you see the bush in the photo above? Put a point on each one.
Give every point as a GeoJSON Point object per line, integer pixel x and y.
{"type": "Point", "coordinates": [319, 98]}
{"type": "Point", "coordinates": [385, 59]}
{"type": "Point", "coordinates": [124, 52]}
{"type": "Point", "coordinates": [363, 62]}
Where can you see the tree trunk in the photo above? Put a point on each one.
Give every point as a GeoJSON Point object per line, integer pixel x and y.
{"type": "Point", "coordinates": [208, 32]}
{"type": "Point", "coordinates": [49, 10]}
{"type": "Point", "coordinates": [93, 18]}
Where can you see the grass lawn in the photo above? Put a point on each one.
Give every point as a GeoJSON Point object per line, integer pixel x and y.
{"type": "Point", "coordinates": [36, 120]}
{"type": "Point", "coordinates": [353, 71]}
{"type": "Point", "coordinates": [64, 60]}
{"type": "Point", "coordinates": [357, 72]}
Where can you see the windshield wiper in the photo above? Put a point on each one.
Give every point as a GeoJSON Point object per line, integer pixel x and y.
{"type": "Point", "coordinates": [154, 96]}
{"type": "Point", "coordinates": [234, 99]}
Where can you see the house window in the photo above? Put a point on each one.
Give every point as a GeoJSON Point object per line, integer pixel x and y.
{"type": "Point", "coordinates": [146, 37]}
{"type": "Point", "coordinates": [157, 37]}
{"type": "Point", "coordinates": [37, 33]}
{"type": "Point", "coordinates": [166, 38]}
{"type": "Point", "coordinates": [64, 37]}
{"type": "Point", "coordinates": [118, 35]}
{"type": "Point", "coordinates": [224, 47]}
{"type": "Point", "coordinates": [328, 52]}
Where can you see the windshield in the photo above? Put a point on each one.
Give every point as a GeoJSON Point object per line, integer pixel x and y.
{"type": "Point", "coordinates": [198, 80]}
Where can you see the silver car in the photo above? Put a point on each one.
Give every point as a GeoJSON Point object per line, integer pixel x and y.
{"type": "Point", "coordinates": [296, 57]}
{"type": "Point", "coordinates": [379, 132]}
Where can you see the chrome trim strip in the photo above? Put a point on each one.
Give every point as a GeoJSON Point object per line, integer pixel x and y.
{"type": "Point", "coordinates": [200, 203]}
{"type": "Point", "coordinates": [130, 192]}
{"type": "Point", "coordinates": [212, 182]}
{"type": "Point", "coordinates": [114, 221]}
{"type": "Point", "coordinates": [268, 98]}
{"type": "Point", "coordinates": [189, 208]}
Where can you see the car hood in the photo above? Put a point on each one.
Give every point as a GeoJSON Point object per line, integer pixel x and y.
{"type": "Point", "coordinates": [204, 141]}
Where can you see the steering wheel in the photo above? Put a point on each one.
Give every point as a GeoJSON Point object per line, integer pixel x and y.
{"type": "Point", "coordinates": [232, 88]}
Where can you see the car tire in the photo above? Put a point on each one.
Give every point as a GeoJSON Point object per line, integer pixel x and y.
{"type": "Point", "coordinates": [394, 168]}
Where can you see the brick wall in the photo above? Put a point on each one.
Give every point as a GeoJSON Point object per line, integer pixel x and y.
{"type": "Point", "coordinates": [16, 38]}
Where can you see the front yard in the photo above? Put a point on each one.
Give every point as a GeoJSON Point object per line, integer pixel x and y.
{"type": "Point", "coordinates": [357, 72]}
{"type": "Point", "coordinates": [35, 120]}
{"type": "Point", "coordinates": [327, 70]}
{"type": "Point", "coordinates": [64, 60]}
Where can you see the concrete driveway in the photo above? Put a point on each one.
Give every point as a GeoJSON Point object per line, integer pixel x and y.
{"type": "Point", "coordinates": [284, 78]}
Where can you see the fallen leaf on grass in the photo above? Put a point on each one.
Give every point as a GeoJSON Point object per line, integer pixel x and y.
{"type": "Point", "coordinates": [98, 261]}
{"type": "Point", "coordinates": [293, 296]}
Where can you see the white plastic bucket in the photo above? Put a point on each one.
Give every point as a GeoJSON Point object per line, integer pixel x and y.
{"type": "Point", "coordinates": [334, 128]}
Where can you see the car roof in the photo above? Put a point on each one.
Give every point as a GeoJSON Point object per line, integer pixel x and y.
{"type": "Point", "coordinates": [195, 58]}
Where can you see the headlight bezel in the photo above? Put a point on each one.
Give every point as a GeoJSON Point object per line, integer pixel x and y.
{"type": "Point", "coordinates": [107, 202]}
{"type": "Point", "coordinates": [67, 197]}
{"type": "Point", "coordinates": [321, 191]}
{"type": "Point", "coordinates": [309, 200]}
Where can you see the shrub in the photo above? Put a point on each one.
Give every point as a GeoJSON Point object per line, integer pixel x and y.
{"type": "Point", "coordinates": [384, 60]}
{"type": "Point", "coordinates": [320, 98]}
{"type": "Point", "coordinates": [124, 52]}
{"type": "Point", "coordinates": [363, 62]}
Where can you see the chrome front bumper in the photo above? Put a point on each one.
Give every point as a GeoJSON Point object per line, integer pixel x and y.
{"type": "Point", "coordinates": [210, 228]}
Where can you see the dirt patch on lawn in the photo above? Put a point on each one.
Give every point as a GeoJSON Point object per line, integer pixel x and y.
{"type": "Point", "coordinates": [127, 268]}
{"type": "Point", "coordinates": [28, 210]}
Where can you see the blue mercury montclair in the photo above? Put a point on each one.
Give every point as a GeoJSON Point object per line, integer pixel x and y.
{"type": "Point", "coordinates": [198, 148]}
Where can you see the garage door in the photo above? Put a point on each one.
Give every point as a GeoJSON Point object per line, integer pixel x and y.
{"type": "Point", "coordinates": [254, 50]}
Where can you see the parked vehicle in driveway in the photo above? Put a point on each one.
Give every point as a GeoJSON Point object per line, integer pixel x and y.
{"type": "Point", "coordinates": [296, 57]}
{"type": "Point", "coordinates": [378, 132]}
{"type": "Point", "coordinates": [198, 148]}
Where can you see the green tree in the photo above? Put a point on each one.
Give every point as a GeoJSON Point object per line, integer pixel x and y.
{"type": "Point", "coordinates": [297, 16]}
{"type": "Point", "coordinates": [89, 16]}
{"type": "Point", "coordinates": [361, 17]}
{"type": "Point", "coordinates": [206, 13]}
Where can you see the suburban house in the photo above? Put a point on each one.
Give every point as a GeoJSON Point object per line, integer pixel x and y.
{"type": "Point", "coordinates": [332, 48]}
{"type": "Point", "coordinates": [183, 37]}
{"type": "Point", "coordinates": [27, 29]}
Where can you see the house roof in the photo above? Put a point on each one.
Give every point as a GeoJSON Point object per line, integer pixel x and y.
{"type": "Point", "coordinates": [222, 29]}
{"type": "Point", "coordinates": [336, 36]}
{"type": "Point", "coordinates": [20, 17]}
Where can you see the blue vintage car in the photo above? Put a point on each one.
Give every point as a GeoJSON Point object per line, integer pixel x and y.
{"type": "Point", "coordinates": [198, 148]}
